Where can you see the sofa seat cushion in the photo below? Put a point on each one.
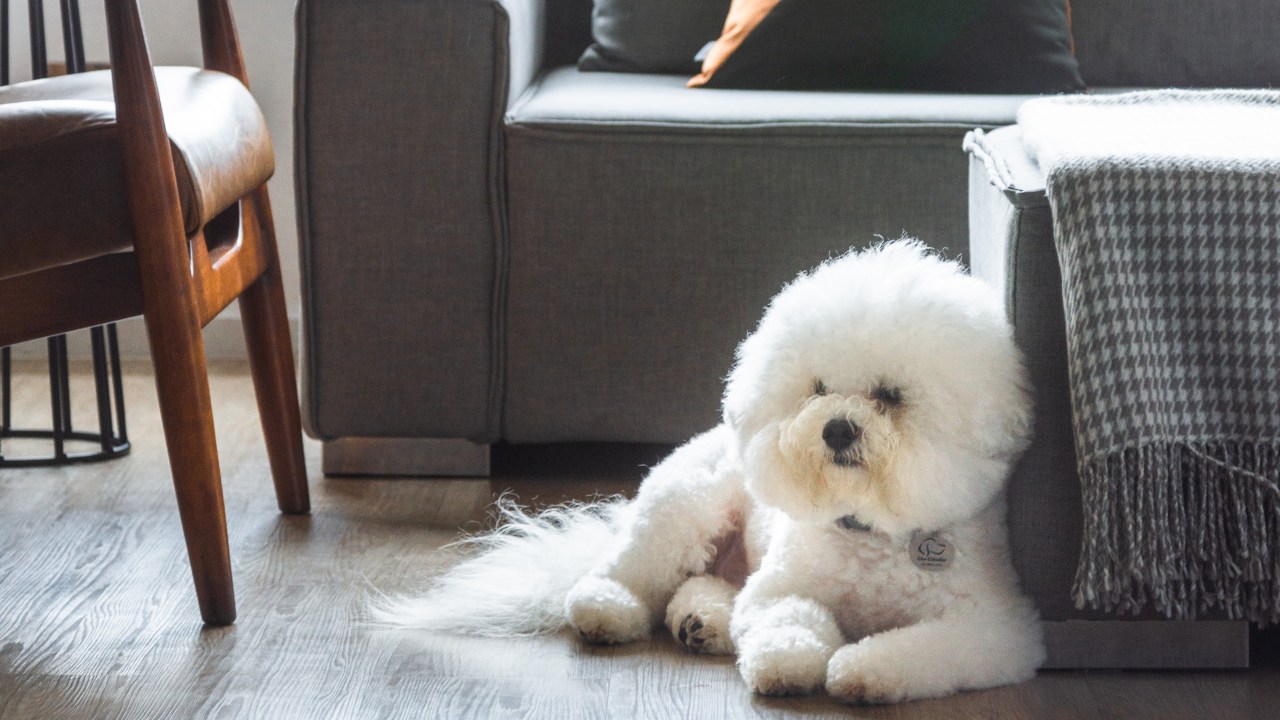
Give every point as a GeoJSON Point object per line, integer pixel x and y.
{"type": "Point", "coordinates": [567, 99]}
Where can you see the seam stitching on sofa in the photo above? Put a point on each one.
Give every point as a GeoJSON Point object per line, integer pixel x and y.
{"type": "Point", "coordinates": [565, 125]}
{"type": "Point", "coordinates": [308, 352]}
{"type": "Point", "coordinates": [498, 218]}
{"type": "Point", "coordinates": [1014, 233]}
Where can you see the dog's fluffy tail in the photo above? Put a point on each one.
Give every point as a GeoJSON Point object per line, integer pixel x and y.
{"type": "Point", "coordinates": [515, 578]}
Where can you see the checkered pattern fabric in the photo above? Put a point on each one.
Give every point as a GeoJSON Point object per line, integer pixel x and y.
{"type": "Point", "coordinates": [1166, 211]}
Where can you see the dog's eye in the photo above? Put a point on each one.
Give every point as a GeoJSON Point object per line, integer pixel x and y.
{"type": "Point", "coordinates": [887, 395]}
{"type": "Point", "coordinates": [819, 388]}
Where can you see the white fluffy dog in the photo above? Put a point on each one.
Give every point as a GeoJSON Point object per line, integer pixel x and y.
{"type": "Point", "coordinates": [856, 483]}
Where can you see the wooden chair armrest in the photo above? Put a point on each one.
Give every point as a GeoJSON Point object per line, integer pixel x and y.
{"type": "Point", "coordinates": [143, 137]}
{"type": "Point", "coordinates": [144, 142]}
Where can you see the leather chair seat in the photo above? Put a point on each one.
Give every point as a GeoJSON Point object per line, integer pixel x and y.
{"type": "Point", "coordinates": [62, 195]}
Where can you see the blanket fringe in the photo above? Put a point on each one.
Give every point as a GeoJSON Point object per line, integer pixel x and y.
{"type": "Point", "coordinates": [1184, 528]}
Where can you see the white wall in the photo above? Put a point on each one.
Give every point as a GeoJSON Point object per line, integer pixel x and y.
{"type": "Point", "coordinates": [266, 34]}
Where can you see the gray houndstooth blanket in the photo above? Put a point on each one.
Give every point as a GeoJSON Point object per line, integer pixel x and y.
{"type": "Point", "coordinates": [1166, 212]}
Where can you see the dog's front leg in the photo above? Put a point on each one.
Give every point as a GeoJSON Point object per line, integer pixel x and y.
{"type": "Point", "coordinates": [784, 631]}
{"type": "Point", "coordinates": [963, 650]}
{"type": "Point", "coordinates": [667, 534]}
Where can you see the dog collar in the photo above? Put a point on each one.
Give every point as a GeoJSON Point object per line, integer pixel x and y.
{"type": "Point", "coordinates": [851, 522]}
{"type": "Point", "coordinates": [932, 551]}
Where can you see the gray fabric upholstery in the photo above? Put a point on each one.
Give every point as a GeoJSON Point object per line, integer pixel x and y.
{"type": "Point", "coordinates": [525, 38]}
{"type": "Point", "coordinates": [434, 232]}
{"type": "Point", "coordinates": [398, 133]}
{"type": "Point", "coordinates": [631, 198]}
{"type": "Point", "coordinates": [1177, 43]}
{"type": "Point", "coordinates": [1011, 243]}
{"type": "Point", "coordinates": [651, 35]}
{"type": "Point", "coordinates": [568, 31]}
{"type": "Point", "coordinates": [567, 99]}
{"type": "Point", "coordinates": [1012, 246]}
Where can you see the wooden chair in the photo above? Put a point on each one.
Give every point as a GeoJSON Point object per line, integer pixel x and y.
{"type": "Point", "coordinates": [106, 214]}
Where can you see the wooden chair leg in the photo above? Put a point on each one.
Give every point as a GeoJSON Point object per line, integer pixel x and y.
{"type": "Point", "coordinates": [266, 332]}
{"type": "Point", "coordinates": [182, 383]}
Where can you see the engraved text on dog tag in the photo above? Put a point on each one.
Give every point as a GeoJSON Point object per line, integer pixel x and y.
{"type": "Point", "coordinates": [931, 551]}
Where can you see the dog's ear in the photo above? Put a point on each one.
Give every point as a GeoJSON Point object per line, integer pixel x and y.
{"type": "Point", "coordinates": [736, 403]}
{"type": "Point", "coordinates": [744, 383]}
{"type": "Point", "coordinates": [1008, 421]}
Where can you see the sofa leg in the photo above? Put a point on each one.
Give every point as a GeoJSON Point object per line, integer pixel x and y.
{"type": "Point", "coordinates": [418, 457]}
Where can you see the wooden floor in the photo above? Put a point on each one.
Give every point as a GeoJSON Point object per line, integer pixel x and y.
{"type": "Point", "coordinates": [98, 618]}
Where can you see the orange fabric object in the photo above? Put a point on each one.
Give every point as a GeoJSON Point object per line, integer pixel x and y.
{"type": "Point", "coordinates": [743, 17]}
{"type": "Point", "coordinates": [1070, 30]}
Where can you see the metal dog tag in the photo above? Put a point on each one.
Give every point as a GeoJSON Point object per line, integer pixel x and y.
{"type": "Point", "coordinates": [931, 551]}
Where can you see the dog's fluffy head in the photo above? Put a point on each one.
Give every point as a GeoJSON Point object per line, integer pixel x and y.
{"type": "Point", "coordinates": [884, 384]}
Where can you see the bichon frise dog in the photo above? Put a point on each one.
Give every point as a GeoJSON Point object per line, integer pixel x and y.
{"type": "Point", "coordinates": [856, 484]}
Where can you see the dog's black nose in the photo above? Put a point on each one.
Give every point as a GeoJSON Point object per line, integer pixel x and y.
{"type": "Point", "coordinates": [839, 434]}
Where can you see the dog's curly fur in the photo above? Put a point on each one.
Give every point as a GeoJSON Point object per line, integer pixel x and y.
{"type": "Point", "coordinates": [881, 395]}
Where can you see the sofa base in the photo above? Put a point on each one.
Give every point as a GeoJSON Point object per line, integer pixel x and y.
{"type": "Point", "coordinates": [418, 457]}
{"type": "Point", "coordinates": [1146, 644]}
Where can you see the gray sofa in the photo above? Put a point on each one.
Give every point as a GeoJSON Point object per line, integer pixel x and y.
{"type": "Point", "coordinates": [497, 246]}
{"type": "Point", "coordinates": [1012, 247]}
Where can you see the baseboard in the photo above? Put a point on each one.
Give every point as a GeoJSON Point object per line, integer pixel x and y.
{"type": "Point", "coordinates": [1146, 644]}
{"type": "Point", "coordinates": [405, 457]}
{"type": "Point", "coordinates": [223, 340]}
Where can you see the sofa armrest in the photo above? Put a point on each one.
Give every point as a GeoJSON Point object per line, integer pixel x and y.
{"type": "Point", "coordinates": [526, 33]}
{"type": "Point", "coordinates": [398, 144]}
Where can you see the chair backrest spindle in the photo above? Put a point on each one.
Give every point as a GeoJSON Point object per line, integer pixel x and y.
{"type": "Point", "coordinates": [4, 42]}
{"type": "Point", "coordinates": [72, 39]}
{"type": "Point", "coordinates": [39, 58]}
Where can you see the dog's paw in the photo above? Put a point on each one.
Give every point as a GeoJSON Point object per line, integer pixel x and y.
{"type": "Point", "coordinates": [784, 661]}
{"type": "Point", "coordinates": [604, 611]}
{"type": "Point", "coordinates": [704, 636]}
{"type": "Point", "coordinates": [698, 615]}
{"type": "Point", "coordinates": [857, 674]}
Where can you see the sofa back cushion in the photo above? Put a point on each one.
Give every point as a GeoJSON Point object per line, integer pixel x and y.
{"type": "Point", "coordinates": [1137, 43]}
{"type": "Point", "coordinates": [1186, 43]}
{"type": "Point", "coordinates": [652, 36]}
{"type": "Point", "coordinates": [568, 31]}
